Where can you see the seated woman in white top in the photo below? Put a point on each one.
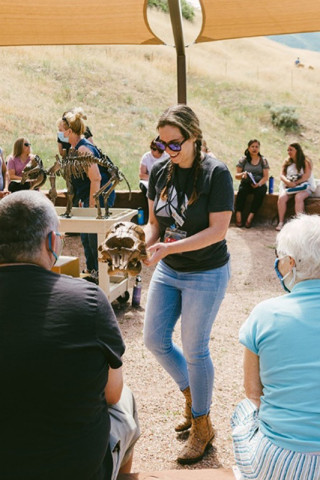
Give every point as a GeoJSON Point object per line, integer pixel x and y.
{"type": "Point", "coordinates": [147, 162]}
{"type": "Point", "coordinates": [296, 180]}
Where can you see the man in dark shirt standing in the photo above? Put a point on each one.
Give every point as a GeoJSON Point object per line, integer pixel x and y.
{"type": "Point", "coordinates": [60, 359]}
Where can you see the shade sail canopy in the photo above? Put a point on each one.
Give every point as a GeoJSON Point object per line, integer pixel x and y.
{"type": "Point", "coordinates": [75, 22]}
{"type": "Point", "coordinates": [224, 19]}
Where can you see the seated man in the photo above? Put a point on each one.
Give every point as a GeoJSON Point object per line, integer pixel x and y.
{"type": "Point", "coordinates": [60, 359]}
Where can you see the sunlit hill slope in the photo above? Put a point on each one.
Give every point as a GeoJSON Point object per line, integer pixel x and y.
{"type": "Point", "coordinates": [124, 89]}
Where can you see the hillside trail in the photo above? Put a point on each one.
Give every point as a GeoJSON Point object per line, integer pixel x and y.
{"type": "Point", "coordinates": [158, 399]}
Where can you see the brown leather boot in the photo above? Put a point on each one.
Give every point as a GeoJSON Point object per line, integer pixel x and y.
{"type": "Point", "coordinates": [185, 421]}
{"type": "Point", "coordinates": [200, 437]}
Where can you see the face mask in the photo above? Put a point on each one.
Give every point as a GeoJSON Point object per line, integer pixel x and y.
{"type": "Point", "coordinates": [286, 287]}
{"type": "Point", "coordinates": [56, 255]}
{"type": "Point", "coordinates": [62, 138]}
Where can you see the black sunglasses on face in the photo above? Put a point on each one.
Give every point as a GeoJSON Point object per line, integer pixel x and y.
{"type": "Point", "coordinates": [174, 146]}
{"type": "Point", "coordinates": [66, 120]}
{"type": "Point", "coordinates": [26, 144]}
{"type": "Point", "coordinates": [155, 149]}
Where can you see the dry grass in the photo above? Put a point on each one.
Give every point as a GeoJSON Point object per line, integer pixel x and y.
{"type": "Point", "coordinates": [123, 89]}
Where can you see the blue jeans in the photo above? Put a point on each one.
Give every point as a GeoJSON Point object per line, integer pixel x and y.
{"type": "Point", "coordinates": [196, 296]}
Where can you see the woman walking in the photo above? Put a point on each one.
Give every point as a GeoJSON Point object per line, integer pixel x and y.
{"type": "Point", "coordinates": [190, 203]}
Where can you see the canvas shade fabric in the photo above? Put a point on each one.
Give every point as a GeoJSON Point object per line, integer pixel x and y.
{"type": "Point", "coordinates": [226, 19]}
{"type": "Point", "coordinates": [75, 22]}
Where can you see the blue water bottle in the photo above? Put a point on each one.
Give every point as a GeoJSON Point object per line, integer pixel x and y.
{"type": "Point", "coordinates": [271, 183]}
{"type": "Point", "coordinates": [140, 216]}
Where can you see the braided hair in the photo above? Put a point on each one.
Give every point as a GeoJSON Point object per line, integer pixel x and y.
{"type": "Point", "coordinates": [183, 118]}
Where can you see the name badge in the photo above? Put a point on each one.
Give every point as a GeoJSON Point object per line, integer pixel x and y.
{"type": "Point", "coordinates": [173, 234]}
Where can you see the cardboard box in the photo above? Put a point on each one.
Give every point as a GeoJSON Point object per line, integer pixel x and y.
{"type": "Point", "coordinates": [67, 266]}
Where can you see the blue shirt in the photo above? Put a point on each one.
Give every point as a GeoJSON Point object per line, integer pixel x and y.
{"type": "Point", "coordinates": [285, 333]}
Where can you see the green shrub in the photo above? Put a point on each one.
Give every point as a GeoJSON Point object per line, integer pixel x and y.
{"type": "Point", "coordinates": [284, 117]}
{"type": "Point", "coordinates": [160, 4]}
{"type": "Point", "coordinates": [187, 10]}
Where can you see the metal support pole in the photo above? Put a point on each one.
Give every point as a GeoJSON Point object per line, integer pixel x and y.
{"type": "Point", "coordinates": [176, 22]}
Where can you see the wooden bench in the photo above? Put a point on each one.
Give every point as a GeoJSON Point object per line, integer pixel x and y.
{"type": "Point", "coordinates": [183, 474]}
{"type": "Point", "coordinates": [268, 213]}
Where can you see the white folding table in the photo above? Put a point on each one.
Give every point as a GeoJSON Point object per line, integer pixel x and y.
{"type": "Point", "coordinates": [84, 220]}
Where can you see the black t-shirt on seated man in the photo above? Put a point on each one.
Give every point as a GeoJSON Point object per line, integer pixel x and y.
{"type": "Point", "coordinates": [58, 337]}
{"type": "Point", "coordinates": [215, 188]}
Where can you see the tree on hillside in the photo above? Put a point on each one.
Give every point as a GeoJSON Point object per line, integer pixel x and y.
{"type": "Point", "coordinates": [186, 9]}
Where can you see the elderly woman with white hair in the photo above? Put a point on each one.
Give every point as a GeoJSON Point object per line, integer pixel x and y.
{"type": "Point", "coordinates": [276, 429]}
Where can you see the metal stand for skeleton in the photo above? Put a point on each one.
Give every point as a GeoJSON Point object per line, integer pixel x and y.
{"type": "Point", "coordinates": [84, 220]}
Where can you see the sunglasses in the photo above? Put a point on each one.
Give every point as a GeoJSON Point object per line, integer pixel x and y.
{"type": "Point", "coordinates": [26, 144]}
{"type": "Point", "coordinates": [155, 149]}
{"type": "Point", "coordinates": [174, 146]}
{"type": "Point", "coordinates": [66, 120]}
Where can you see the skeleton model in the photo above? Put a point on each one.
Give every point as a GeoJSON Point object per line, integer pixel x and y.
{"type": "Point", "coordinates": [75, 164]}
{"type": "Point", "coordinates": [35, 173]}
{"type": "Point", "coordinates": [123, 248]}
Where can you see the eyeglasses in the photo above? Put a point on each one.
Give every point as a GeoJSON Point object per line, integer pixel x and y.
{"type": "Point", "coordinates": [66, 120]}
{"type": "Point", "coordinates": [60, 246]}
{"type": "Point", "coordinates": [26, 144]}
{"type": "Point", "coordinates": [174, 146]}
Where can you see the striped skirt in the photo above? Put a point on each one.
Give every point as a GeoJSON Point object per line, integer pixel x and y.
{"type": "Point", "coordinates": [259, 459]}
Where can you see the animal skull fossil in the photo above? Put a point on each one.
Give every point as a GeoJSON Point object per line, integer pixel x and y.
{"type": "Point", "coordinates": [123, 248]}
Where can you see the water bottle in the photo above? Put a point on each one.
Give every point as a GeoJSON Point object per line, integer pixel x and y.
{"type": "Point", "coordinates": [136, 294]}
{"type": "Point", "coordinates": [271, 183]}
{"type": "Point", "coordinates": [140, 216]}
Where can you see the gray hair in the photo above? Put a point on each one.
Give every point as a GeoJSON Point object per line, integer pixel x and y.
{"type": "Point", "coordinates": [300, 238]}
{"type": "Point", "coordinates": [26, 218]}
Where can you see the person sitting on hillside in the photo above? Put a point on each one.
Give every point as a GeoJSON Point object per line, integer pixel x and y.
{"type": "Point", "coordinates": [17, 161]}
{"type": "Point", "coordinates": [276, 428]}
{"type": "Point", "coordinates": [147, 161]}
{"type": "Point", "coordinates": [3, 176]}
{"type": "Point", "coordinates": [253, 171]}
{"type": "Point", "coordinates": [64, 411]}
{"type": "Point", "coordinates": [296, 180]}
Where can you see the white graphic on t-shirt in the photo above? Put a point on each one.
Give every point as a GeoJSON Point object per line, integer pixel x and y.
{"type": "Point", "coordinates": [165, 208]}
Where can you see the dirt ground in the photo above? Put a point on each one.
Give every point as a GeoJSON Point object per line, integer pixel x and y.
{"type": "Point", "coordinates": [158, 398]}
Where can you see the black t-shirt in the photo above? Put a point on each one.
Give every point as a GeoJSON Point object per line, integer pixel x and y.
{"type": "Point", "coordinates": [58, 336]}
{"type": "Point", "coordinates": [215, 188]}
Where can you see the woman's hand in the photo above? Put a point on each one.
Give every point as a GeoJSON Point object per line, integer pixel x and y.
{"type": "Point", "coordinates": [292, 184]}
{"type": "Point", "coordinates": [156, 252]}
{"type": "Point", "coordinates": [244, 175]}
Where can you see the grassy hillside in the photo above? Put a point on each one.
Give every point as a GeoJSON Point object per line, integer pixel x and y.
{"type": "Point", "coordinates": [124, 89]}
